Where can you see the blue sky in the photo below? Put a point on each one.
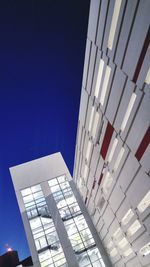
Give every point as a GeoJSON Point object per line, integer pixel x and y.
{"type": "Point", "coordinates": [41, 63]}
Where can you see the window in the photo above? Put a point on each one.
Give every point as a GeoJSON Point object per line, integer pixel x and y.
{"type": "Point", "coordinates": [128, 216]}
{"type": "Point", "coordinates": [119, 158]}
{"type": "Point", "coordinates": [144, 203]}
{"type": "Point", "coordinates": [145, 250]}
{"type": "Point", "coordinates": [91, 119]}
{"type": "Point", "coordinates": [105, 85]}
{"type": "Point", "coordinates": [77, 229]}
{"type": "Point", "coordinates": [147, 79]}
{"type": "Point", "coordinates": [43, 230]}
{"type": "Point", "coordinates": [134, 228]}
{"type": "Point", "coordinates": [107, 182]}
{"type": "Point", "coordinates": [95, 124]}
{"type": "Point", "coordinates": [128, 111]}
{"type": "Point", "coordinates": [128, 252]}
{"type": "Point", "coordinates": [118, 234]}
{"type": "Point", "coordinates": [99, 77]}
{"type": "Point", "coordinates": [123, 243]}
{"type": "Point", "coordinates": [112, 150]}
{"type": "Point", "coordinates": [114, 23]}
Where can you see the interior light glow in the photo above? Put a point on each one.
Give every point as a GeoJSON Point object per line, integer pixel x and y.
{"type": "Point", "coordinates": [119, 158]}
{"type": "Point", "coordinates": [147, 80]}
{"type": "Point", "coordinates": [107, 182]}
{"type": "Point", "coordinates": [144, 203]}
{"type": "Point", "coordinates": [113, 252]}
{"type": "Point", "coordinates": [128, 252]}
{"type": "Point", "coordinates": [114, 23]}
{"type": "Point", "coordinates": [118, 234]}
{"type": "Point", "coordinates": [95, 124]}
{"type": "Point", "coordinates": [105, 85]}
{"type": "Point", "coordinates": [99, 77]}
{"type": "Point", "coordinates": [145, 250]}
{"type": "Point", "coordinates": [88, 150]}
{"type": "Point", "coordinates": [112, 150]}
{"type": "Point", "coordinates": [81, 182]}
{"type": "Point", "coordinates": [134, 228]}
{"type": "Point", "coordinates": [127, 217]}
{"type": "Point", "coordinates": [123, 243]}
{"type": "Point", "coordinates": [91, 119]}
{"type": "Point", "coordinates": [128, 112]}
{"type": "Point", "coordinates": [85, 172]}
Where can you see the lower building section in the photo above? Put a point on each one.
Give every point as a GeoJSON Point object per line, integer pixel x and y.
{"type": "Point", "coordinates": [58, 227]}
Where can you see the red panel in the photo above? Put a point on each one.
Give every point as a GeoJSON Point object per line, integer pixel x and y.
{"type": "Point", "coordinates": [143, 145]}
{"type": "Point", "coordinates": [100, 179]}
{"type": "Point", "coordinates": [107, 139]}
{"type": "Point", "coordinates": [142, 55]}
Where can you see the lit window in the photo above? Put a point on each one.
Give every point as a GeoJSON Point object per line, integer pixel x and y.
{"type": "Point", "coordinates": [112, 150]}
{"type": "Point", "coordinates": [77, 229]}
{"type": "Point", "coordinates": [134, 228]}
{"type": "Point", "coordinates": [42, 227]}
{"type": "Point", "coordinates": [114, 23]}
{"type": "Point", "coordinates": [26, 192]}
{"type": "Point", "coordinates": [88, 150]}
{"type": "Point", "coordinates": [144, 203]}
{"type": "Point", "coordinates": [127, 217]}
{"type": "Point", "coordinates": [99, 77]}
{"type": "Point", "coordinates": [119, 158]}
{"type": "Point", "coordinates": [85, 172]}
{"type": "Point", "coordinates": [128, 112]}
{"type": "Point", "coordinates": [147, 80]}
{"type": "Point", "coordinates": [123, 243]}
{"type": "Point", "coordinates": [105, 85]}
{"type": "Point", "coordinates": [118, 234]}
{"type": "Point", "coordinates": [36, 188]}
{"type": "Point", "coordinates": [91, 119]}
{"type": "Point", "coordinates": [95, 124]}
{"type": "Point", "coordinates": [145, 250]}
{"type": "Point", "coordinates": [35, 223]}
{"type": "Point", "coordinates": [113, 252]}
{"type": "Point", "coordinates": [107, 182]}
{"type": "Point", "coordinates": [128, 252]}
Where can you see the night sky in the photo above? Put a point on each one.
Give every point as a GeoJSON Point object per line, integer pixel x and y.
{"type": "Point", "coordinates": [42, 46]}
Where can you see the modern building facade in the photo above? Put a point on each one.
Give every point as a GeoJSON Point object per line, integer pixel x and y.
{"type": "Point", "coordinates": [112, 159]}
{"type": "Point", "coordinates": [59, 230]}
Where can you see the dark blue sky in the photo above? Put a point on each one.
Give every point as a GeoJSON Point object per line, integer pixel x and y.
{"type": "Point", "coordinates": [42, 46]}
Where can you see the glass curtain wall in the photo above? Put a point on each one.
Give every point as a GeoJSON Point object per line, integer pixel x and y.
{"type": "Point", "coordinates": [77, 229]}
{"type": "Point", "coordinates": [46, 240]}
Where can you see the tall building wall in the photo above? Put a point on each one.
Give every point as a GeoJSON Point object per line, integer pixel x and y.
{"type": "Point", "coordinates": [59, 230]}
{"type": "Point", "coordinates": [112, 159]}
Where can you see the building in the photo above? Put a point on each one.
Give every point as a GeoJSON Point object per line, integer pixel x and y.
{"type": "Point", "coordinates": [11, 259]}
{"type": "Point", "coordinates": [58, 227]}
{"type": "Point", "coordinates": [112, 159]}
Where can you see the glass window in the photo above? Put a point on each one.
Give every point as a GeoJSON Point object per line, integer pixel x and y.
{"type": "Point", "coordinates": [36, 188]}
{"type": "Point", "coordinates": [43, 229]}
{"type": "Point", "coordinates": [26, 192]}
{"type": "Point", "coordinates": [77, 229]}
{"type": "Point", "coordinates": [35, 223]}
{"type": "Point", "coordinates": [52, 182]}
{"type": "Point", "coordinates": [28, 198]}
{"type": "Point", "coordinates": [61, 179]}
{"type": "Point", "coordinates": [38, 195]}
